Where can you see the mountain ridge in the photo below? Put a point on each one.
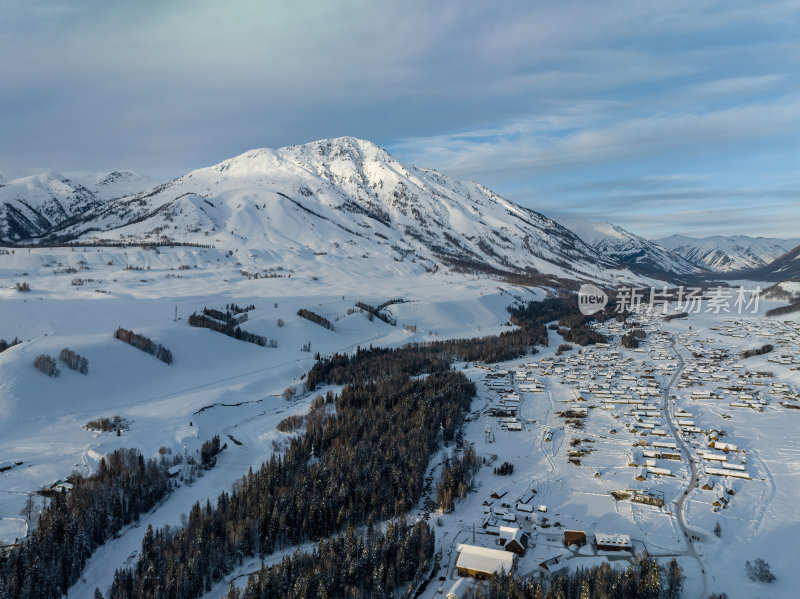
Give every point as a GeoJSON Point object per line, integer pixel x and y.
{"type": "Point", "coordinates": [347, 199]}
{"type": "Point", "coordinates": [31, 206]}
{"type": "Point", "coordinates": [631, 250]}
{"type": "Point", "coordinates": [343, 197]}
{"type": "Point", "coordinates": [721, 253]}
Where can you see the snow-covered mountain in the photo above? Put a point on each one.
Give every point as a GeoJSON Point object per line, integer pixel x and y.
{"type": "Point", "coordinates": [724, 254]}
{"type": "Point", "coordinates": [345, 199]}
{"type": "Point", "coordinates": [782, 268]}
{"type": "Point", "coordinates": [115, 184]}
{"type": "Point", "coordinates": [626, 248]}
{"type": "Point", "coordinates": [32, 206]}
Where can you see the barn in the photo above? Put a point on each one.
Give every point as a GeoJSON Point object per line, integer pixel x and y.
{"type": "Point", "coordinates": [514, 539]}
{"type": "Point", "coordinates": [482, 562]}
{"type": "Point", "coordinates": [574, 537]}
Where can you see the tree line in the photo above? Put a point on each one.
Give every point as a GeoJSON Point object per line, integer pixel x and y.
{"type": "Point", "coordinates": [234, 318]}
{"type": "Point", "coordinates": [437, 356]}
{"type": "Point", "coordinates": [643, 580]}
{"type": "Point", "coordinates": [144, 344]}
{"type": "Point", "coordinates": [209, 451]}
{"type": "Point", "coordinates": [630, 339]}
{"type": "Point", "coordinates": [73, 524]}
{"type": "Point", "coordinates": [373, 565]}
{"type": "Point", "coordinates": [230, 327]}
{"type": "Point", "coordinates": [107, 424]}
{"type": "Point", "coordinates": [389, 302]}
{"type": "Point", "coordinates": [374, 363]}
{"type": "Point", "coordinates": [787, 309]}
{"type": "Point", "coordinates": [376, 312]}
{"type": "Point", "coordinates": [46, 365]}
{"type": "Point", "coordinates": [669, 317]}
{"type": "Point", "coordinates": [236, 309]}
{"type": "Point", "coordinates": [759, 351]}
{"type": "Point", "coordinates": [4, 345]}
{"type": "Point", "coordinates": [582, 335]}
{"type": "Point", "coordinates": [573, 327]}
{"type": "Point", "coordinates": [456, 479]}
{"type": "Point", "coordinates": [74, 361]}
{"type": "Point", "coordinates": [315, 318]}
{"type": "Point", "coordinates": [364, 463]}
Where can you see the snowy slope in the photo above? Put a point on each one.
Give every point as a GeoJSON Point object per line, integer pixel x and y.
{"type": "Point", "coordinates": [42, 418]}
{"type": "Point", "coordinates": [785, 290]}
{"type": "Point", "coordinates": [31, 206]}
{"type": "Point", "coordinates": [116, 184]}
{"type": "Point", "coordinates": [783, 267]}
{"type": "Point", "coordinates": [624, 247]}
{"type": "Point", "coordinates": [345, 199]}
{"type": "Point", "coordinates": [723, 254]}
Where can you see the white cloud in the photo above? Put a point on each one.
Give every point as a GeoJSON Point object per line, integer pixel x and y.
{"type": "Point", "coordinates": [538, 143]}
{"type": "Point", "coordinates": [740, 85]}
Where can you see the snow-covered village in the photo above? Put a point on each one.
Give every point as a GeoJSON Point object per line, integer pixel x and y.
{"type": "Point", "coordinates": [620, 453]}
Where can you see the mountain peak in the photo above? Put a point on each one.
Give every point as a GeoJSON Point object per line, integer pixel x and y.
{"type": "Point", "coordinates": [334, 155]}
{"type": "Point", "coordinates": [339, 151]}
{"type": "Point", "coordinates": [40, 179]}
{"type": "Point", "coordinates": [344, 142]}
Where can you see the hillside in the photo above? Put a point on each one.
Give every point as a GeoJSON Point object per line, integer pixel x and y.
{"type": "Point", "coordinates": [345, 199]}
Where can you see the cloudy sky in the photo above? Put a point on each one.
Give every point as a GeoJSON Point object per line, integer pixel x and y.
{"type": "Point", "coordinates": [663, 117]}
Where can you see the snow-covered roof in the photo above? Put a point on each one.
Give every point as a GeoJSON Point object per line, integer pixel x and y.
{"type": "Point", "coordinates": [458, 590]}
{"type": "Point", "coordinates": [616, 540]}
{"type": "Point", "coordinates": [508, 533]}
{"type": "Point", "coordinates": [483, 559]}
{"type": "Point", "coordinates": [555, 563]}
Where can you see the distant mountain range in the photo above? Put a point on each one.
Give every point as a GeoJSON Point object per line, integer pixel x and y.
{"type": "Point", "coordinates": [724, 254]}
{"type": "Point", "coordinates": [783, 268]}
{"type": "Point", "coordinates": [681, 256]}
{"type": "Point", "coordinates": [31, 207]}
{"type": "Point", "coordinates": [630, 250]}
{"type": "Point", "coordinates": [348, 199]}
